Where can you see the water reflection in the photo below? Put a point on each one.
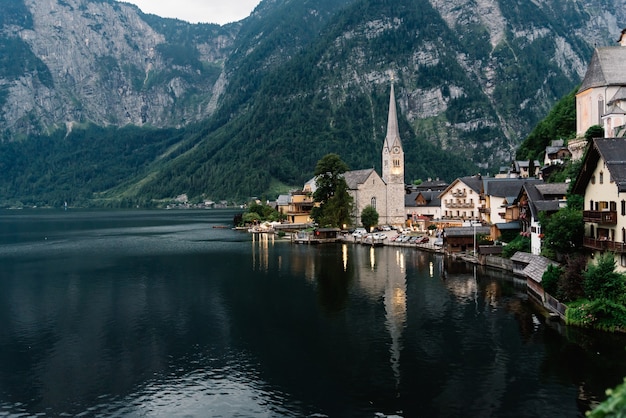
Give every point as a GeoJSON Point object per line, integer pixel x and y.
{"type": "Point", "coordinates": [261, 243]}
{"type": "Point", "coordinates": [269, 328]}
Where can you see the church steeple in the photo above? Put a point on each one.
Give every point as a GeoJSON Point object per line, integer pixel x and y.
{"type": "Point", "coordinates": [393, 154]}
{"type": "Point", "coordinates": [393, 134]}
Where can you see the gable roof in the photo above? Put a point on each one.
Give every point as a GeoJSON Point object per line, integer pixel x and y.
{"type": "Point", "coordinates": [356, 177]}
{"type": "Point", "coordinates": [545, 197]}
{"type": "Point", "coordinates": [613, 152]}
{"type": "Point", "coordinates": [506, 187]}
{"type": "Point", "coordinates": [431, 197]}
{"type": "Point", "coordinates": [536, 267]}
{"type": "Point", "coordinates": [473, 182]}
{"type": "Point", "coordinates": [606, 68]}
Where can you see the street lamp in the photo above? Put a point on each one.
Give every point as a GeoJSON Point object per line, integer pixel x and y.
{"type": "Point", "coordinates": [474, 240]}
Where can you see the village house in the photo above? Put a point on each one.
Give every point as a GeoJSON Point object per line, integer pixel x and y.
{"type": "Point", "coordinates": [461, 200]}
{"type": "Point", "coordinates": [602, 182]}
{"type": "Point", "coordinates": [533, 199]}
{"type": "Point", "coordinates": [498, 194]}
{"type": "Point", "coordinates": [556, 153]}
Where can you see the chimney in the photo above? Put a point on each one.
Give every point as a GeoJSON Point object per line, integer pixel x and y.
{"type": "Point", "coordinates": [622, 38]}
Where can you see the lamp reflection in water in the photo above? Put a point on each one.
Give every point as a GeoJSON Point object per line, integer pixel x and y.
{"type": "Point", "coordinates": [260, 244]}
{"type": "Point", "coordinates": [372, 258]}
{"type": "Point", "coordinates": [344, 254]}
{"type": "Point", "coordinates": [395, 310]}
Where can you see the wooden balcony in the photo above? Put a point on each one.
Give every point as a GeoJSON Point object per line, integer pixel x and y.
{"type": "Point", "coordinates": [604, 245]}
{"type": "Point", "coordinates": [604, 217]}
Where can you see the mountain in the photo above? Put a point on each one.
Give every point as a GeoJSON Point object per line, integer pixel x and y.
{"type": "Point", "coordinates": [248, 108]}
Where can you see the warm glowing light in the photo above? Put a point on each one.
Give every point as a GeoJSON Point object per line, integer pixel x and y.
{"type": "Point", "coordinates": [431, 269]}
{"type": "Point", "coordinates": [372, 258]}
{"type": "Point", "coordinates": [344, 251]}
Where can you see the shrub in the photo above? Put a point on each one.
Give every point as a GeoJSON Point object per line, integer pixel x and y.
{"type": "Point", "coordinates": [550, 279]}
{"type": "Point", "coordinates": [520, 243]}
{"type": "Point", "coordinates": [601, 281]}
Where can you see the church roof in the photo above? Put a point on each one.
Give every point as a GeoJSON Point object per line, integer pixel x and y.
{"type": "Point", "coordinates": [393, 133]}
{"type": "Point", "coordinates": [355, 177]}
{"type": "Point", "coordinates": [606, 68]}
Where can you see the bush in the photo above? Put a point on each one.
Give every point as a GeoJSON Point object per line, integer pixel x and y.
{"type": "Point", "coordinates": [550, 279]}
{"type": "Point", "coordinates": [601, 281]}
{"type": "Point", "coordinates": [602, 314]}
{"type": "Point", "coordinates": [614, 406]}
{"type": "Point", "coordinates": [520, 243]}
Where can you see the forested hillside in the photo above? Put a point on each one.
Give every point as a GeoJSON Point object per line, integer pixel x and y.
{"type": "Point", "coordinates": [257, 103]}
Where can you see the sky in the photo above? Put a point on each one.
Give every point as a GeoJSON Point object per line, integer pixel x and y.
{"type": "Point", "coordinates": [199, 11]}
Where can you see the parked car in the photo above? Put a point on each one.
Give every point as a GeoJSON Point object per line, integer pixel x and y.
{"type": "Point", "coordinates": [422, 240]}
{"type": "Point", "coordinates": [359, 232]}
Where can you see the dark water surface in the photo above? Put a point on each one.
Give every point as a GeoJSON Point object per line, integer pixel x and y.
{"type": "Point", "coordinates": [157, 313]}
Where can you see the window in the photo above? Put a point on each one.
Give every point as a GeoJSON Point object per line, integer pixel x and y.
{"type": "Point", "coordinates": [601, 177]}
{"type": "Point", "coordinates": [622, 261]}
{"type": "Point", "coordinates": [613, 206]}
{"type": "Point", "coordinates": [623, 207]}
{"type": "Point", "coordinates": [591, 205]}
{"type": "Point", "coordinates": [373, 203]}
{"type": "Point", "coordinates": [600, 109]}
{"type": "Point", "coordinates": [593, 179]}
{"type": "Point", "coordinates": [396, 162]}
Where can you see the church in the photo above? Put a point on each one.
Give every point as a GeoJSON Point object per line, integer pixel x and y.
{"type": "Point", "coordinates": [386, 193]}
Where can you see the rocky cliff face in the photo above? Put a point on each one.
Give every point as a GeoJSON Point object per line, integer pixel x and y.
{"type": "Point", "coordinates": [298, 79]}
{"type": "Point", "coordinates": [108, 64]}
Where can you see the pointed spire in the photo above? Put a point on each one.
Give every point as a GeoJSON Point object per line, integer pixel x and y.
{"type": "Point", "coordinates": [393, 133]}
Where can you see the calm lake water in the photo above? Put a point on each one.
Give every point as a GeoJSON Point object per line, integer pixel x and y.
{"type": "Point", "coordinates": [158, 313]}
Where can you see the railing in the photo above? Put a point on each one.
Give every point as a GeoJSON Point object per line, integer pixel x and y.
{"type": "Point", "coordinates": [459, 194]}
{"type": "Point", "coordinates": [604, 245]}
{"type": "Point", "coordinates": [600, 216]}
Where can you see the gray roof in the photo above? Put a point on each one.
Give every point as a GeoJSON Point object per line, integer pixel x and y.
{"type": "Point", "coordinates": [522, 257]}
{"type": "Point", "coordinates": [431, 197]}
{"type": "Point", "coordinates": [617, 97]}
{"type": "Point", "coordinates": [606, 68]}
{"type": "Point", "coordinates": [473, 182]}
{"type": "Point", "coordinates": [544, 197]}
{"type": "Point", "coordinates": [537, 266]}
{"type": "Point", "coordinates": [507, 226]}
{"type": "Point", "coordinates": [356, 177]}
{"type": "Point", "coordinates": [506, 187]}
{"type": "Point", "coordinates": [613, 152]}
{"type": "Point", "coordinates": [467, 231]}
{"type": "Point", "coordinates": [552, 189]}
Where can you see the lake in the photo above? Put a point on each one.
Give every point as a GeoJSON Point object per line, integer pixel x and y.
{"type": "Point", "coordinates": [165, 313]}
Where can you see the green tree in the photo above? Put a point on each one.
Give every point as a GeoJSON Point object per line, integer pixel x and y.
{"type": "Point", "coordinates": [369, 217]}
{"type": "Point", "coordinates": [563, 231]}
{"type": "Point", "coordinates": [550, 279]}
{"type": "Point", "coordinates": [570, 286]}
{"type": "Point", "coordinates": [335, 203]}
{"type": "Point", "coordinates": [520, 243]}
{"type": "Point", "coordinates": [601, 281]}
{"type": "Point", "coordinates": [595, 131]}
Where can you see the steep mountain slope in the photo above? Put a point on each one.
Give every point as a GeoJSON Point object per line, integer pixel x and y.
{"type": "Point", "coordinates": [106, 63]}
{"type": "Point", "coordinates": [471, 80]}
{"type": "Point", "coordinates": [262, 100]}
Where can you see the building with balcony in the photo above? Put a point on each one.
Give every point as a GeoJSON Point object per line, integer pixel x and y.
{"type": "Point", "coordinates": [602, 182]}
{"type": "Point", "coordinates": [461, 200]}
